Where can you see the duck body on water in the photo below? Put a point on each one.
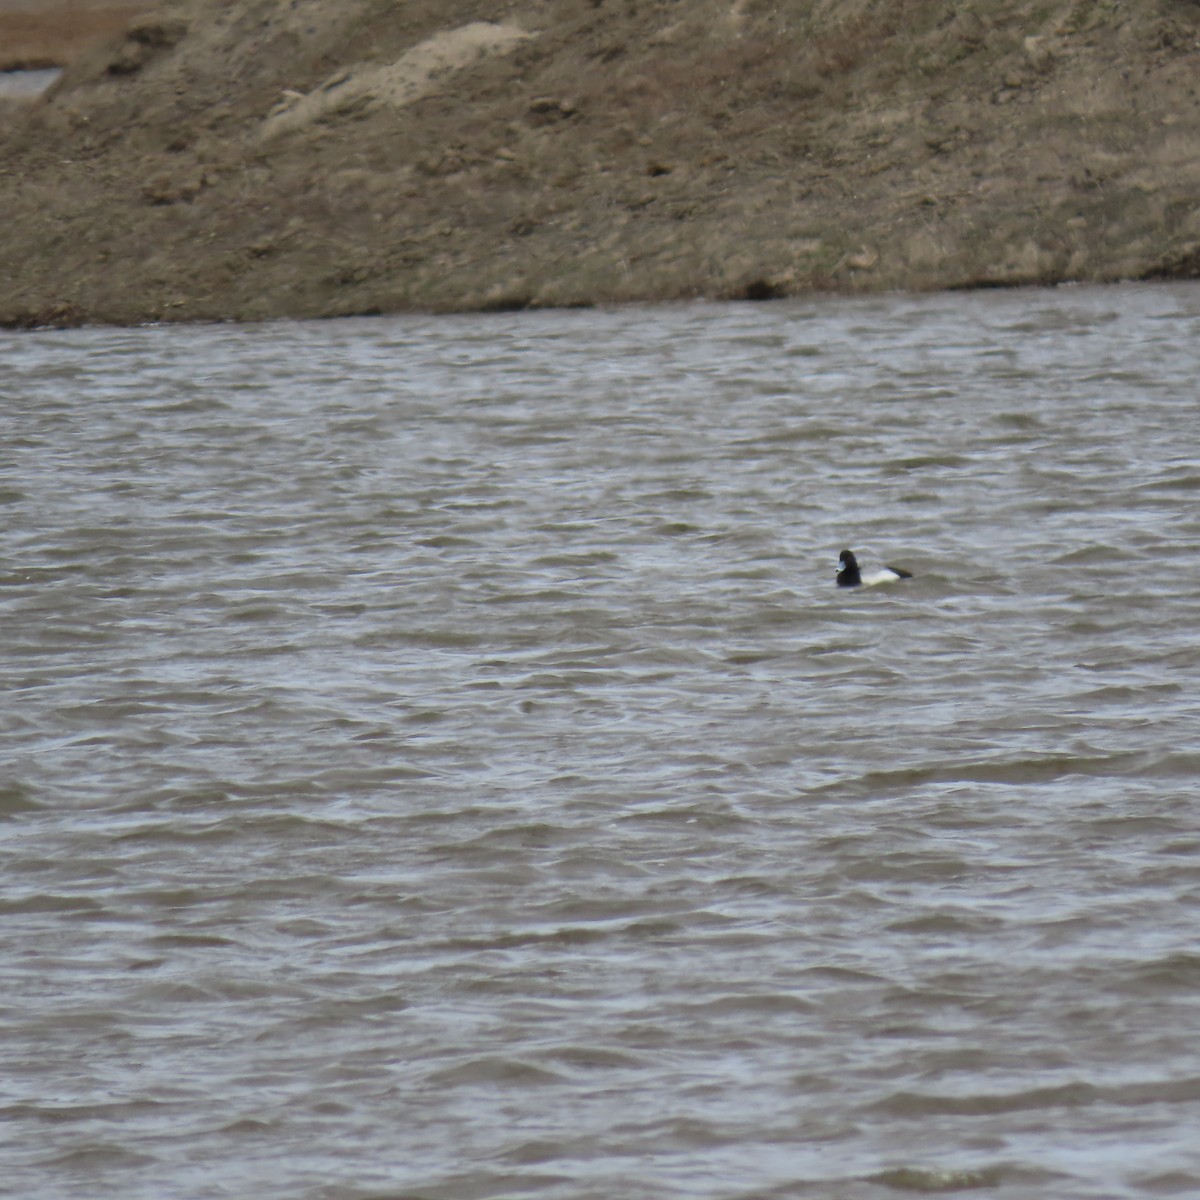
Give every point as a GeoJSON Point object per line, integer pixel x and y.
{"type": "Point", "coordinates": [848, 574]}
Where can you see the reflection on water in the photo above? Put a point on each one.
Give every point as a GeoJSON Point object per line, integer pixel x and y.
{"type": "Point", "coordinates": [439, 762]}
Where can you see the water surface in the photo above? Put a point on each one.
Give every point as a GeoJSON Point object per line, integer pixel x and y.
{"type": "Point", "coordinates": [437, 762]}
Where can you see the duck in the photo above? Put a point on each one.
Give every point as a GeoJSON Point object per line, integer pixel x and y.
{"type": "Point", "coordinates": [848, 574]}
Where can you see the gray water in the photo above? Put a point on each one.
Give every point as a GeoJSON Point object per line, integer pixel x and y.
{"type": "Point", "coordinates": [437, 761]}
{"type": "Point", "coordinates": [24, 85]}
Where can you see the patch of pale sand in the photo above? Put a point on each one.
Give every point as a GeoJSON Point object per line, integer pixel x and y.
{"type": "Point", "coordinates": [416, 73]}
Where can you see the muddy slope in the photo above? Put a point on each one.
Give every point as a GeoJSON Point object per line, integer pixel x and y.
{"type": "Point", "coordinates": [253, 159]}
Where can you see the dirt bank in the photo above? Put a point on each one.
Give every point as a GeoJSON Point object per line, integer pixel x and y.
{"type": "Point", "coordinates": [253, 159]}
{"type": "Point", "coordinates": [53, 33]}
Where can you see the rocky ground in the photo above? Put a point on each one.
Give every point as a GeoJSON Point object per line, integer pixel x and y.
{"type": "Point", "coordinates": [244, 159]}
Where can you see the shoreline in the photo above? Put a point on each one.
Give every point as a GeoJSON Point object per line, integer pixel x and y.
{"type": "Point", "coordinates": [812, 296]}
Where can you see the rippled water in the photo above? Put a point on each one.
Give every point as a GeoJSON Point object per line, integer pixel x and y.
{"type": "Point", "coordinates": [438, 763]}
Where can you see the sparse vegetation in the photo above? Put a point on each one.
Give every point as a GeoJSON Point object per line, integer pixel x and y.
{"type": "Point", "coordinates": [619, 152]}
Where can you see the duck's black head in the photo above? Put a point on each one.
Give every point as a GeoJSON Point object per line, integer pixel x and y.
{"type": "Point", "coordinates": [847, 572]}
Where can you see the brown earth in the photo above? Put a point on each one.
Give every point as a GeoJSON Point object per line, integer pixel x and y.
{"type": "Point", "coordinates": [248, 158]}
{"type": "Point", "coordinates": [52, 33]}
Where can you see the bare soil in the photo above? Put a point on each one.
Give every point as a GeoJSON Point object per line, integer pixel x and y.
{"type": "Point", "coordinates": [52, 33]}
{"type": "Point", "coordinates": [247, 159]}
